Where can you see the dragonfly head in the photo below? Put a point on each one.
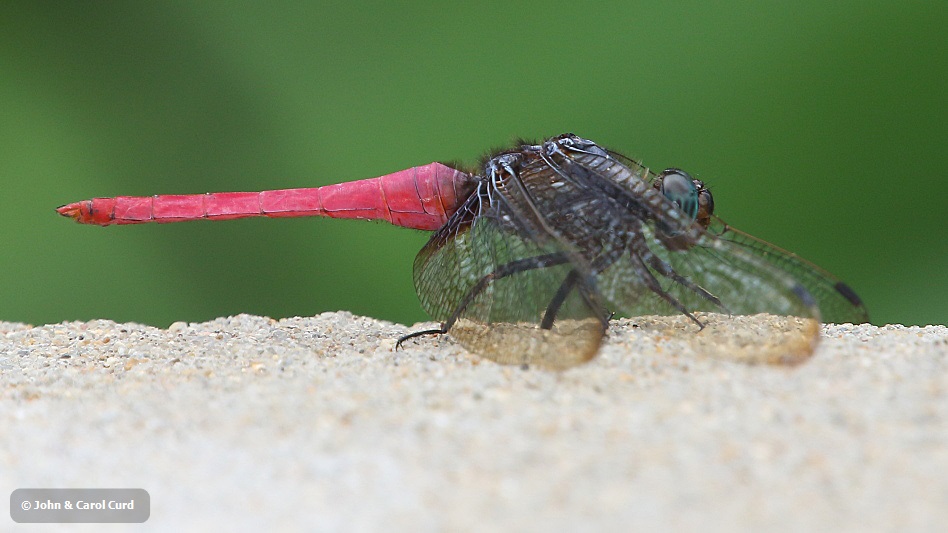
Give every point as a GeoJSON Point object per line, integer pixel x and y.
{"type": "Point", "coordinates": [690, 195]}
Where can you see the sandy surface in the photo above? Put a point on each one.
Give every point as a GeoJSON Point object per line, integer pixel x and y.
{"type": "Point", "coordinates": [247, 423]}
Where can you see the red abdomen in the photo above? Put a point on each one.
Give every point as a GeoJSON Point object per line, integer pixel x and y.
{"type": "Point", "coordinates": [419, 197]}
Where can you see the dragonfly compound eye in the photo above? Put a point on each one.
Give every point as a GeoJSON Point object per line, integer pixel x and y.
{"type": "Point", "coordinates": [677, 186]}
{"type": "Point", "coordinates": [705, 201]}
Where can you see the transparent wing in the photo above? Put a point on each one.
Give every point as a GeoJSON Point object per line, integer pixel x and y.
{"type": "Point", "coordinates": [491, 274]}
{"type": "Point", "coordinates": [837, 302]}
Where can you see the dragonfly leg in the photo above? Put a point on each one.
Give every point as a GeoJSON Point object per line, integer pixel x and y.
{"type": "Point", "coordinates": [667, 271]}
{"type": "Point", "coordinates": [440, 331]}
{"type": "Point", "coordinates": [563, 292]}
{"type": "Point", "coordinates": [554, 306]}
{"type": "Point", "coordinates": [513, 267]}
{"type": "Point", "coordinates": [508, 269]}
{"type": "Point", "coordinates": [653, 285]}
{"type": "Point", "coordinates": [591, 298]}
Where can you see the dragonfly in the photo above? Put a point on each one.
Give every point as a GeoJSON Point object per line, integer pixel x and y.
{"type": "Point", "coordinates": [534, 252]}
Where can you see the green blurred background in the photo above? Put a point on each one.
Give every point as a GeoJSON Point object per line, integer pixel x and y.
{"type": "Point", "coordinates": [820, 125]}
